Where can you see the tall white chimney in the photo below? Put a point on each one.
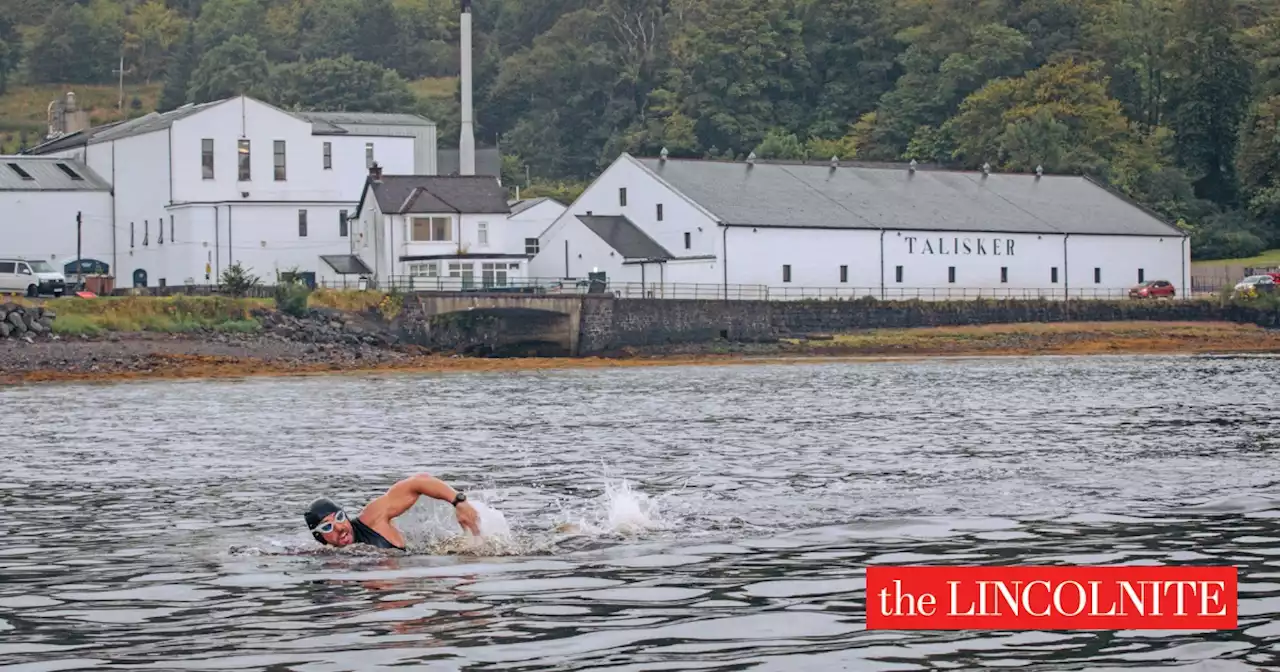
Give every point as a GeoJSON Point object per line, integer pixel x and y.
{"type": "Point", "coordinates": [466, 143]}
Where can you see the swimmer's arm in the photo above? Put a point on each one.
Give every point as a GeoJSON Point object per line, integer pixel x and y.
{"type": "Point", "coordinates": [403, 495]}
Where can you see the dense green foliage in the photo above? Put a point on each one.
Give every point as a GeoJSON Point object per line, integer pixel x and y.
{"type": "Point", "coordinates": [1174, 102]}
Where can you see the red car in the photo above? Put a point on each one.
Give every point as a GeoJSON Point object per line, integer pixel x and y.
{"type": "Point", "coordinates": [1153, 289]}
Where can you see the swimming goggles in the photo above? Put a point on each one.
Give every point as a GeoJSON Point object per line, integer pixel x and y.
{"type": "Point", "coordinates": [327, 526]}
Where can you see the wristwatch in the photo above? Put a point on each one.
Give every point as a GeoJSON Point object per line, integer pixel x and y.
{"type": "Point", "coordinates": [459, 498]}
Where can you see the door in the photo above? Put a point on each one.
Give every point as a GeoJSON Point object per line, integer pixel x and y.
{"type": "Point", "coordinates": [25, 279]}
{"type": "Point", "coordinates": [140, 278]}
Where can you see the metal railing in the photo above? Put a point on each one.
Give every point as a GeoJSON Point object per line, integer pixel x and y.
{"type": "Point", "coordinates": [696, 291]}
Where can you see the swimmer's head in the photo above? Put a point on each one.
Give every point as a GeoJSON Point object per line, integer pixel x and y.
{"type": "Point", "coordinates": [328, 523]}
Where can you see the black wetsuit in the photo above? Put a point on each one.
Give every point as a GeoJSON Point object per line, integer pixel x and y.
{"type": "Point", "coordinates": [366, 535]}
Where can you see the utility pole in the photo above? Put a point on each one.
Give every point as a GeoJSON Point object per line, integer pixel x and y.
{"type": "Point", "coordinates": [120, 70]}
{"type": "Point", "coordinates": [79, 264]}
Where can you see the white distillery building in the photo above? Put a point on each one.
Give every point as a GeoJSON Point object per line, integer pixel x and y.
{"type": "Point", "coordinates": [759, 229]}
{"type": "Point", "coordinates": [50, 205]}
{"type": "Point", "coordinates": [237, 181]}
{"type": "Point", "coordinates": [437, 232]}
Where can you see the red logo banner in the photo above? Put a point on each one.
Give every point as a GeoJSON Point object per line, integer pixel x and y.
{"type": "Point", "coordinates": [1051, 598]}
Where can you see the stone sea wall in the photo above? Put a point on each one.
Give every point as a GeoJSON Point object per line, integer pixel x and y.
{"type": "Point", "coordinates": [25, 323]}
{"type": "Point", "coordinates": [612, 324]}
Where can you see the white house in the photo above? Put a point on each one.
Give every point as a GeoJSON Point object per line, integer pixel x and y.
{"type": "Point", "coordinates": [530, 218]}
{"type": "Point", "coordinates": [781, 230]}
{"type": "Point", "coordinates": [437, 232]}
{"type": "Point", "coordinates": [239, 181]}
{"type": "Point", "coordinates": [50, 205]}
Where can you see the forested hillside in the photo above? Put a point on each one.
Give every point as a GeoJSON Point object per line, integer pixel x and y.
{"type": "Point", "coordinates": [1175, 102]}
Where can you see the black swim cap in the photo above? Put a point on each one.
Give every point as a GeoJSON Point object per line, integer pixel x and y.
{"type": "Point", "coordinates": [317, 511]}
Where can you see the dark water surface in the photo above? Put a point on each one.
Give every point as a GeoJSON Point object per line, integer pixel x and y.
{"type": "Point", "coordinates": [694, 518]}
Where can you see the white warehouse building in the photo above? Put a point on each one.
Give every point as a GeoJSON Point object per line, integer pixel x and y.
{"type": "Point", "coordinates": [51, 207]}
{"type": "Point", "coordinates": [759, 229]}
{"type": "Point", "coordinates": [196, 189]}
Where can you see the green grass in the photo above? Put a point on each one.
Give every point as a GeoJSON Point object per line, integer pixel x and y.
{"type": "Point", "coordinates": [437, 88]}
{"type": "Point", "coordinates": [174, 314]}
{"type": "Point", "coordinates": [25, 108]}
{"type": "Point", "coordinates": [1268, 258]}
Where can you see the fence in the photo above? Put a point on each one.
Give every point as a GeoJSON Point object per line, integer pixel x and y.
{"type": "Point", "coordinates": [708, 291]}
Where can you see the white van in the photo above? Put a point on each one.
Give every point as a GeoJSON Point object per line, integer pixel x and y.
{"type": "Point", "coordinates": [30, 277]}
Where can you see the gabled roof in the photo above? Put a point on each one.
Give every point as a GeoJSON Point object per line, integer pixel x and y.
{"type": "Point", "coordinates": [155, 121]}
{"type": "Point", "coordinates": [340, 123]}
{"type": "Point", "coordinates": [429, 194]}
{"type": "Point", "coordinates": [523, 204]}
{"type": "Point", "coordinates": [488, 161]}
{"type": "Point", "coordinates": [863, 196]}
{"type": "Point", "coordinates": [29, 173]}
{"type": "Point", "coordinates": [624, 236]}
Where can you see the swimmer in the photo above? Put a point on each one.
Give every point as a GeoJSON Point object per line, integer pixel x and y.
{"type": "Point", "coordinates": [330, 525]}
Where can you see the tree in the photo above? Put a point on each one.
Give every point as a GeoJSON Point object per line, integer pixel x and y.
{"type": "Point", "coordinates": [177, 80]}
{"type": "Point", "coordinates": [235, 67]}
{"type": "Point", "coordinates": [77, 43]}
{"type": "Point", "coordinates": [1210, 97]}
{"type": "Point", "coordinates": [341, 84]}
{"type": "Point", "coordinates": [151, 32]}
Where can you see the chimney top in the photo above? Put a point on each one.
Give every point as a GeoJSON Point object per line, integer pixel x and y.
{"type": "Point", "coordinates": [375, 172]}
{"type": "Point", "coordinates": [466, 5]}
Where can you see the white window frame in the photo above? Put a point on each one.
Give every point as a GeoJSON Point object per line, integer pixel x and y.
{"type": "Point", "coordinates": [482, 234]}
{"type": "Point", "coordinates": [425, 269]}
{"type": "Point", "coordinates": [431, 229]}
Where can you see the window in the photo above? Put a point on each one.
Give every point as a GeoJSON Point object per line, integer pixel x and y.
{"type": "Point", "coordinates": [1004, 274]}
{"type": "Point", "coordinates": [70, 173]}
{"type": "Point", "coordinates": [160, 225]}
{"type": "Point", "coordinates": [1053, 275]}
{"type": "Point", "coordinates": [242, 148]}
{"type": "Point", "coordinates": [495, 274]}
{"type": "Point", "coordinates": [132, 236]}
{"type": "Point", "coordinates": [171, 238]}
{"type": "Point", "coordinates": [21, 173]}
{"type": "Point", "coordinates": [1097, 276]}
{"type": "Point", "coordinates": [146, 233]}
{"type": "Point", "coordinates": [897, 272]}
{"type": "Point", "coordinates": [302, 223]}
{"type": "Point", "coordinates": [659, 212]}
{"type": "Point", "coordinates": [426, 269]}
{"type": "Point", "coordinates": [688, 237]}
{"type": "Point", "coordinates": [951, 274]}
{"type": "Point", "coordinates": [279, 160]}
{"type": "Point", "coordinates": [206, 158]}
{"type": "Point", "coordinates": [465, 272]}
{"type": "Point", "coordinates": [368, 155]}
{"type": "Point", "coordinates": [786, 272]}
{"type": "Point", "coordinates": [844, 274]}
{"type": "Point", "coordinates": [342, 223]}
{"type": "Point", "coordinates": [328, 155]}
{"type": "Point", "coordinates": [431, 230]}
{"type": "Point", "coordinates": [1142, 276]}
{"type": "Point", "coordinates": [482, 234]}
{"type": "Point", "coordinates": [531, 246]}
{"type": "Point", "coordinates": [8, 267]}
{"type": "Point", "coordinates": [622, 196]}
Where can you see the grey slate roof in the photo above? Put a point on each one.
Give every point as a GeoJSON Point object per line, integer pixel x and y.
{"type": "Point", "coordinates": [488, 161]}
{"type": "Point", "coordinates": [414, 194]}
{"type": "Point", "coordinates": [624, 236]}
{"type": "Point", "coordinates": [47, 176]}
{"type": "Point", "coordinates": [523, 204]}
{"type": "Point", "coordinates": [365, 118]}
{"type": "Point", "coordinates": [155, 121]}
{"type": "Point", "coordinates": [882, 197]}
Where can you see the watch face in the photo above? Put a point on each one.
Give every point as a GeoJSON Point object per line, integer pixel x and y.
{"type": "Point", "coordinates": [462, 497]}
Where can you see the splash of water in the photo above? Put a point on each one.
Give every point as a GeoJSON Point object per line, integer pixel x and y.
{"type": "Point", "coordinates": [620, 510]}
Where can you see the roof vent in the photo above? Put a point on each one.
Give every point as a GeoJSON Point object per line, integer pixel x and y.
{"type": "Point", "coordinates": [835, 162]}
{"type": "Point", "coordinates": [986, 169]}
{"type": "Point", "coordinates": [911, 167]}
{"type": "Point", "coordinates": [663, 154]}
{"type": "Point", "coordinates": [1039, 171]}
{"type": "Point", "coordinates": [751, 158]}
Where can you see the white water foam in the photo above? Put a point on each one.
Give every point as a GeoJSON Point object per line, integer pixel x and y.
{"type": "Point", "coordinates": [619, 510]}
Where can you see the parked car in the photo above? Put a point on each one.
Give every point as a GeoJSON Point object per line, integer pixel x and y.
{"type": "Point", "coordinates": [1153, 289]}
{"type": "Point", "coordinates": [31, 277]}
{"type": "Point", "coordinates": [1256, 283]}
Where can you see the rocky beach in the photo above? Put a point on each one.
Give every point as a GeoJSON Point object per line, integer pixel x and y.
{"type": "Point", "coordinates": [264, 341]}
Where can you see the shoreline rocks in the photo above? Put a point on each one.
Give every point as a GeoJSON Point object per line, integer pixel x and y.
{"type": "Point", "coordinates": [25, 322]}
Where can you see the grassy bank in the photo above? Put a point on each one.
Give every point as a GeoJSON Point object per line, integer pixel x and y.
{"type": "Point", "coordinates": [176, 314]}
{"type": "Point", "coordinates": [24, 109]}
